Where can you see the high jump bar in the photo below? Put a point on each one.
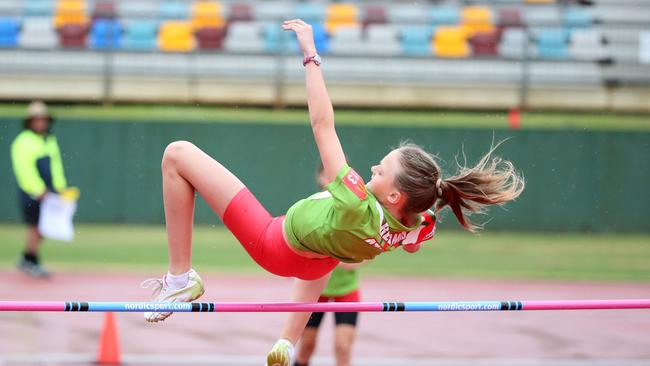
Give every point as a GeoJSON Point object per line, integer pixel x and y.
{"type": "Point", "coordinates": [236, 307]}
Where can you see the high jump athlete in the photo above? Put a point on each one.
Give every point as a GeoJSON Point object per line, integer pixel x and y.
{"type": "Point", "coordinates": [351, 222]}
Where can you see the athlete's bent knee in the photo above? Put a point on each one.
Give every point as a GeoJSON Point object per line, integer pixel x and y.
{"type": "Point", "coordinates": [174, 152]}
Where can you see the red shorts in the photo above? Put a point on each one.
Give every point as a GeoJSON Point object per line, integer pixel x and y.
{"type": "Point", "coordinates": [353, 296]}
{"type": "Point", "coordinates": [261, 236]}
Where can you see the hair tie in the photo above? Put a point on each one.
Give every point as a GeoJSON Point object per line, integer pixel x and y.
{"type": "Point", "coordinates": [439, 187]}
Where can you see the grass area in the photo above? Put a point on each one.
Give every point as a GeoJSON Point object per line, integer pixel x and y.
{"type": "Point", "coordinates": [210, 114]}
{"type": "Point", "coordinates": [451, 254]}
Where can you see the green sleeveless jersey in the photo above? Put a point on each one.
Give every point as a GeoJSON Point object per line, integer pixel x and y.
{"type": "Point", "coordinates": [342, 282]}
{"type": "Point", "coordinates": [347, 222]}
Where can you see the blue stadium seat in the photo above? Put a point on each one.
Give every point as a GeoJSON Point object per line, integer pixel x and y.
{"type": "Point", "coordinates": [310, 12]}
{"type": "Point", "coordinates": [416, 40]}
{"type": "Point", "coordinates": [444, 15]}
{"type": "Point", "coordinates": [552, 43]}
{"type": "Point", "coordinates": [9, 29]}
{"type": "Point", "coordinates": [174, 10]}
{"type": "Point", "coordinates": [38, 7]}
{"type": "Point", "coordinates": [577, 18]}
{"type": "Point", "coordinates": [321, 39]}
{"type": "Point", "coordinates": [140, 36]}
{"type": "Point", "coordinates": [274, 36]}
{"type": "Point", "coordinates": [105, 34]}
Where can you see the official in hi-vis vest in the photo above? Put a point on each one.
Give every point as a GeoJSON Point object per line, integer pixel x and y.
{"type": "Point", "coordinates": [37, 166]}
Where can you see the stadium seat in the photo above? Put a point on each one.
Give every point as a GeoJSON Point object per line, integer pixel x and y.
{"type": "Point", "coordinates": [72, 35]}
{"type": "Point", "coordinates": [588, 45]}
{"type": "Point", "coordinates": [485, 44]}
{"type": "Point", "coordinates": [38, 33]}
{"type": "Point", "coordinates": [140, 35]}
{"type": "Point", "coordinates": [275, 11]}
{"type": "Point", "coordinates": [383, 40]}
{"type": "Point", "coordinates": [578, 18]}
{"type": "Point", "coordinates": [207, 14]}
{"type": "Point", "coordinates": [551, 43]}
{"type": "Point", "coordinates": [70, 12]}
{"type": "Point", "coordinates": [173, 10]}
{"type": "Point", "coordinates": [10, 8]}
{"type": "Point", "coordinates": [38, 8]}
{"type": "Point", "coordinates": [407, 13]}
{"type": "Point", "coordinates": [416, 40]}
{"type": "Point", "coordinates": [510, 17]}
{"type": "Point", "coordinates": [310, 12]}
{"type": "Point", "coordinates": [9, 29]}
{"type": "Point", "coordinates": [240, 12]}
{"type": "Point", "coordinates": [105, 34]}
{"type": "Point", "coordinates": [347, 40]}
{"type": "Point", "coordinates": [244, 37]}
{"type": "Point", "coordinates": [274, 38]}
{"type": "Point", "coordinates": [443, 15]}
{"type": "Point", "coordinates": [341, 15]}
{"type": "Point", "coordinates": [176, 36]}
{"type": "Point", "coordinates": [141, 9]}
{"type": "Point", "coordinates": [374, 15]}
{"type": "Point", "coordinates": [210, 38]}
{"type": "Point", "coordinates": [514, 41]}
{"type": "Point", "coordinates": [451, 42]}
{"type": "Point", "coordinates": [477, 19]}
{"type": "Point", "coordinates": [104, 9]}
{"type": "Point", "coordinates": [542, 16]}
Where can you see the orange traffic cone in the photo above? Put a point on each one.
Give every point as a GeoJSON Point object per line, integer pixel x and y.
{"type": "Point", "coordinates": [514, 118]}
{"type": "Point", "coordinates": [109, 347]}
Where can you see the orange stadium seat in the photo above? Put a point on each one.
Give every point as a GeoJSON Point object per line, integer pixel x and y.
{"type": "Point", "coordinates": [70, 12]}
{"type": "Point", "coordinates": [341, 15]}
{"type": "Point", "coordinates": [176, 36]}
{"type": "Point", "coordinates": [207, 14]}
{"type": "Point", "coordinates": [477, 19]}
{"type": "Point", "coordinates": [451, 42]}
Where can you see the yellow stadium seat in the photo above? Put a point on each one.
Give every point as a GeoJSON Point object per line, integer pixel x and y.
{"type": "Point", "coordinates": [207, 14]}
{"type": "Point", "coordinates": [70, 12]}
{"type": "Point", "coordinates": [477, 19]}
{"type": "Point", "coordinates": [176, 36]}
{"type": "Point", "coordinates": [451, 42]}
{"type": "Point", "coordinates": [341, 15]}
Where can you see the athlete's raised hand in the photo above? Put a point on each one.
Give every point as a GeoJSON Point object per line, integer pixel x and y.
{"type": "Point", "coordinates": [303, 33]}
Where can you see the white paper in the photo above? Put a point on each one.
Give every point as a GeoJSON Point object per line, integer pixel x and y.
{"type": "Point", "coordinates": [55, 221]}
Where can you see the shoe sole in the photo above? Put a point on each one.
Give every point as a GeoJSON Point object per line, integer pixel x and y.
{"type": "Point", "coordinates": [164, 316]}
{"type": "Point", "coordinates": [276, 359]}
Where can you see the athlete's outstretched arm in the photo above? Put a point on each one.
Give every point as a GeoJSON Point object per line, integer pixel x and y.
{"type": "Point", "coordinates": [321, 112]}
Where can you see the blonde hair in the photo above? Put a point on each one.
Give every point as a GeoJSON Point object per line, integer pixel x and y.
{"type": "Point", "coordinates": [492, 181]}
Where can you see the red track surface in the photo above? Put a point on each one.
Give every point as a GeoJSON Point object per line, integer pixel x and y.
{"type": "Point", "coordinates": [582, 335]}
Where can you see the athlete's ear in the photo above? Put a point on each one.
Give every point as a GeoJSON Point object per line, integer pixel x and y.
{"type": "Point", "coordinates": [394, 197]}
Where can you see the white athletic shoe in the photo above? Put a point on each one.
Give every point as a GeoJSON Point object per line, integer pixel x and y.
{"type": "Point", "coordinates": [162, 293]}
{"type": "Point", "coordinates": [281, 354]}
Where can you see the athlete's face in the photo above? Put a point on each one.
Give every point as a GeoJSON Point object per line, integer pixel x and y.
{"type": "Point", "coordinates": [382, 184]}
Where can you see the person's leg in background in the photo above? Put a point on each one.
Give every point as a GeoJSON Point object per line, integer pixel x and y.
{"type": "Point", "coordinates": [308, 340]}
{"type": "Point", "coordinates": [30, 261]}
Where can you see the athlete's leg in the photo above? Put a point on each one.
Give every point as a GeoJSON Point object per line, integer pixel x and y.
{"type": "Point", "coordinates": [307, 345]}
{"type": "Point", "coordinates": [186, 169]}
{"type": "Point", "coordinates": [303, 291]}
{"type": "Point", "coordinates": [343, 340]}
{"type": "Point", "coordinates": [282, 352]}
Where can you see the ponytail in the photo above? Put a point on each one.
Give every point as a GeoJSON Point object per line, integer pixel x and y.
{"type": "Point", "coordinates": [492, 181]}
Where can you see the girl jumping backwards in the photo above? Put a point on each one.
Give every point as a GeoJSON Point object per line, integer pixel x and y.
{"type": "Point", "coordinates": [350, 222]}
